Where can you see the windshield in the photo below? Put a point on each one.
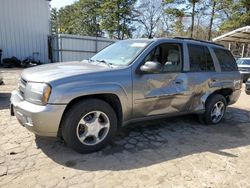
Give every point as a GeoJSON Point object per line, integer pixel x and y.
{"type": "Point", "coordinates": [243, 61]}
{"type": "Point", "coordinates": [121, 53]}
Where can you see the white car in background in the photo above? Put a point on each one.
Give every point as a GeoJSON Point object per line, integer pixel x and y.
{"type": "Point", "coordinates": [244, 67]}
{"type": "Point", "coordinates": [1, 79]}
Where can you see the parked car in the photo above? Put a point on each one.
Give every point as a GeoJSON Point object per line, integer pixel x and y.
{"type": "Point", "coordinates": [129, 81]}
{"type": "Point", "coordinates": [247, 88]}
{"type": "Point", "coordinates": [244, 68]}
{"type": "Point", "coordinates": [1, 79]}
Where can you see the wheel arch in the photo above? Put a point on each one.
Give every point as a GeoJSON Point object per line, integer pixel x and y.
{"type": "Point", "coordinates": [112, 99]}
{"type": "Point", "coordinates": [225, 92]}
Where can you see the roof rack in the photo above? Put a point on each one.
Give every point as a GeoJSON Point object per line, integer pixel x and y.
{"type": "Point", "coordinates": [187, 38]}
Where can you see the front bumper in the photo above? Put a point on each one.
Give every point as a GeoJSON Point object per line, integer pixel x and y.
{"type": "Point", "coordinates": [1, 80]}
{"type": "Point", "coordinates": [247, 89]}
{"type": "Point", "coordinates": [245, 75]}
{"type": "Point", "coordinates": [41, 120]}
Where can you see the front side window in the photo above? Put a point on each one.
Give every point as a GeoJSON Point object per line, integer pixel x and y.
{"type": "Point", "coordinates": [169, 55]}
{"type": "Point", "coordinates": [121, 53]}
{"type": "Point", "coordinates": [200, 58]}
{"type": "Point", "coordinates": [226, 60]}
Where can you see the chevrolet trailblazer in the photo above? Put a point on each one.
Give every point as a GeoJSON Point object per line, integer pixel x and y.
{"type": "Point", "coordinates": [131, 80]}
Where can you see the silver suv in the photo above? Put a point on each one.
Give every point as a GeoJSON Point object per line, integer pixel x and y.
{"type": "Point", "coordinates": [244, 67]}
{"type": "Point", "coordinates": [132, 80]}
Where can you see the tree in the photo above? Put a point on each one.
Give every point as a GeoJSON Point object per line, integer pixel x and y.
{"type": "Point", "coordinates": [237, 14]}
{"type": "Point", "coordinates": [193, 5]}
{"type": "Point", "coordinates": [92, 17]}
{"type": "Point", "coordinates": [213, 2]}
{"type": "Point", "coordinates": [88, 17]}
{"type": "Point", "coordinates": [178, 23]}
{"type": "Point", "coordinates": [165, 24]}
{"type": "Point", "coordinates": [80, 18]}
{"type": "Point", "coordinates": [176, 12]}
{"type": "Point", "coordinates": [148, 14]}
{"type": "Point", "coordinates": [116, 18]}
{"type": "Point", "coordinates": [151, 18]}
{"type": "Point", "coordinates": [54, 19]}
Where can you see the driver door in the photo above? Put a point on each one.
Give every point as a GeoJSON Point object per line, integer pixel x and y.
{"type": "Point", "coordinates": [163, 92]}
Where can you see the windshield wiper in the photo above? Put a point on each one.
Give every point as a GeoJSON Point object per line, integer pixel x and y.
{"type": "Point", "coordinates": [102, 61]}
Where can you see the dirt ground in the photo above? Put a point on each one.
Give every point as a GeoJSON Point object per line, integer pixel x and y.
{"type": "Point", "coordinates": [174, 152]}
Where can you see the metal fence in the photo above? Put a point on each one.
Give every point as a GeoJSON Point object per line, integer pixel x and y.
{"type": "Point", "coordinates": [76, 48]}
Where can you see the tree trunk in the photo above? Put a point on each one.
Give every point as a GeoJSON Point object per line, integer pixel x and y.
{"type": "Point", "coordinates": [118, 22]}
{"type": "Point", "coordinates": [211, 21]}
{"type": "Point", "coordinates": [123, 28]}
{"type": "Point", "coordinates": [192, 26]}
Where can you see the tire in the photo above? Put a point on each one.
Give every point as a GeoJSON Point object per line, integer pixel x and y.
{"type": "Point", "coordinates": [214, 114]}
{"type": "Point", "coordinates": [92, 117]}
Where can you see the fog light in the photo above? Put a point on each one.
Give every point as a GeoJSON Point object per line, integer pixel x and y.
{"type": "Point", "coordinates": [29, 121]}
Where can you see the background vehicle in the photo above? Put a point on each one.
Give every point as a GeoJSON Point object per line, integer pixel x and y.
{"type": "Point", "coordinates": [248, 86]}
{"type": "Point", "coordinates": [1, 79]}
{"type": "Point", "coordinates": [244, 67]}
{"type": "Point", "coordinates": [131, 80]}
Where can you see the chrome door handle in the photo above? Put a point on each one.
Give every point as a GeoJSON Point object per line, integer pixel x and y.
{"type": "Point", "coordinates": [214, 80]}
{"type": "Point", "coordinates": [178, 82]}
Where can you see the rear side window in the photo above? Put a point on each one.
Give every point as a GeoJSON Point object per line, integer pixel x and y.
{"type": "Point", "coordinates": [200, 58]}
{"type": "Point", "coordinates": [226, 60]}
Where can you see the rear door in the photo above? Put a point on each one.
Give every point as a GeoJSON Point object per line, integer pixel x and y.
{"type": "Point", "coordinates": [201, 73]}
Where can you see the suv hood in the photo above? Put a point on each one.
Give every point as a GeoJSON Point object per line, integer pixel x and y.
{"type": "Point", "coordinates": [55, 71]}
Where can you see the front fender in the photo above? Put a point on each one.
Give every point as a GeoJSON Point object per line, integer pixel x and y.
{"type": "Point", "coordinates": [64, 94]}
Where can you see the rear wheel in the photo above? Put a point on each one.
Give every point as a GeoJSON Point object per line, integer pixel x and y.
{"type": "Point", "coordinates": [215, 109]}
{"type": "Point", "coordinates": [89, 125]}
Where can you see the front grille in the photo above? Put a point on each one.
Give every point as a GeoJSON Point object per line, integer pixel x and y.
{"type": "Point", "coordinates": [244, 69]}
{"type": "Point", "coordinates": [21, 86]}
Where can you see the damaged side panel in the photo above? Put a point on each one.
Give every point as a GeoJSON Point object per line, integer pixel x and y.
{"type": "Point", "coordinates": [177, 92]}
{"type": "Point", "coordinates": [170, 93]}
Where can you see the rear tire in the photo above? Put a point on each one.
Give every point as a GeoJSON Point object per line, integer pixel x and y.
{"type": "Point", "coordinates": [215, 109]}
{"type": "Point", "coordinates": [89, 125]}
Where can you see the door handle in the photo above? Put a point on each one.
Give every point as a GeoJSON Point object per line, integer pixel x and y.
{"type": "Point", "coordinates": [214, 80]}
{"type": "Point", "coordinates": [178, 82]}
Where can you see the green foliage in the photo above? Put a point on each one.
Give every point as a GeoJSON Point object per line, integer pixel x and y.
{"type": "Point", "coordinates": [81, 18]}
{"type": "Point", "coordinates": [177, 12]}
{"type": "Point", "coordinates": [54, 20]}
{"type": "Point", "coordinates": [87, 17]}
{"type": "Point", "coordinates": [93, 17]}
{"type": "Point", "coordinates": [237, 13]}
{"type": "Point", "coordinates": [116, 17]}
{"type": "Point", "coordinates": [202, 19]}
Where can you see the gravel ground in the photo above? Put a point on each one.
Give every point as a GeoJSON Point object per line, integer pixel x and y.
{"type": "Point", "coordinates": [174, 152]}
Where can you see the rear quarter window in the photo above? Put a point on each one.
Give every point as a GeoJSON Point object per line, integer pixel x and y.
{"type": "Point", "coordinates": [226, 60]}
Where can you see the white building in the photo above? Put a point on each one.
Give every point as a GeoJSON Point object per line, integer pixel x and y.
{"type": "Point", "coordinates": [24, 28]}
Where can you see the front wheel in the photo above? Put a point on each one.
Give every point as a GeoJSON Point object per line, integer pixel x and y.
{"type": "Point", "coordinates": [215, 109]}
{"type": "Point", "coordinates": [89, 125]}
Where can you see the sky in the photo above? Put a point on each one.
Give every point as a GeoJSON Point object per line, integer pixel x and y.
{"type": "Point", "coordinates": [60, 3]}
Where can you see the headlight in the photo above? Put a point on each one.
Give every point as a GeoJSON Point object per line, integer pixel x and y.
{"type": "Point", "coordinates": [37, 93]}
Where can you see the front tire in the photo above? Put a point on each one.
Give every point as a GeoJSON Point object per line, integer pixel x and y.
{"type": "Point", "coordinates": [215, 110]}
{"type": "Point", "coordinates": [89, 125]}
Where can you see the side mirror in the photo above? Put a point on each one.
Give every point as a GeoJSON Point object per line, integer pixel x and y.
{"type": "Point", "coordinates": [151, 67]}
